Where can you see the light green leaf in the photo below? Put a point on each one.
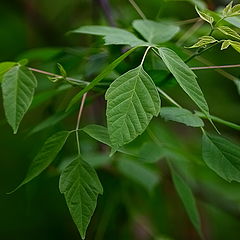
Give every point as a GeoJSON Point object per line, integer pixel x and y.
{"type": "Point", "coordinates": [204, 16]}
{"type": "Point", "coordinates": [80, 185]}
{"type": "Point", "coordinates": [225, 44]}
{"type": "Point", "coordinates": [229, 32]}
{"type": "Point", "coordinates": [185, 77]}
{"type": "Point", "coordinates": [227, 10]}
{"type": "Point", "coordinates": [181, 115]}
{"type": "Point", "coordinates": [156, 32]}
{"type": "Point", "coordinates": [112, 35]}
{"type": "Point", "coordinates": [4, 67]}
{"type": "Point", "coordinates": [99, 78]}
{"type": "Point", "coordinates": [138, 172]}
{"type": "Point", "coordinates": [235, 45]}
{"type": "Point", "coordinates": [235, 10]}
{"type": "Point", "coordinates": [18, 87]}
{"type": "Point", "coordinates": [203, 41]}
{"type": "Point", "coordinates": [46, 156]}
{"type": "Point", "coordinates": [132, 101]}
{"type": "Point", "coordinates": [186, 195]}
{"type": "Point", "coordinates": [221, 156]}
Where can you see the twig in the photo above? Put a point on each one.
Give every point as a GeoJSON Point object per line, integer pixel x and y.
{"type": "Point", "coordinates": [168, 97]}
{"type": "Point", "coordinates": [216, 67]}
{"type": "Point", "coordinates": [78, 121]}
{"type": "Point", "coordinates": [138, 9]}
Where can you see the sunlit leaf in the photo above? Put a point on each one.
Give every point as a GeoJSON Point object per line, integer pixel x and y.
{"type": "Point", "coordinates": [203, 41]}
{"type": "Point", "coordinates": [229, 32]}
{"type": "Point", "coordinates": [204, 16]}
{"type": "Point", "coordinates": [4, 67]}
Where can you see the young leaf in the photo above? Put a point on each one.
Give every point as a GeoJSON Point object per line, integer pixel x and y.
{"type": "Point", "coordinates": [227, 10]}
{"type": "Point", "coordinates": [138, 172]}
{"type": "Point", "coordinates": [18, 87]}
{"type": "Point", "coordinates": [80, 185]}
{"type": "Point", "coordinates": [4, 67]}
{"type": "Point", "coordinates": [46, 155]}
{"type": "Point", "coordinates": [203, 41]}
{"type": "Point", "coordinates": [99, 78]}
{"type": "Point", "coordinates": [235, 45]}
{"type": "Point", "coordinates": [229, 32]}
{"type": "Point", "coordinates": [112, 35]}
{"type": "Point", "coordinates": [221, 156]}
{"type": "Point", "coordinates": [132, 101]}
{"type": "Point", "coordinates": [181, 115]}
{"type": "Point", "coordinates": [225, 44]}
{"type": "Point", "coordinates": [185, 77]}
{"type": "Point", "coordinates": [235, 10]}
{"type": "Point", "coordinates": [186, 195]}
{"type": "Point", "coordinates": [204, 16]}
{"type": "Point", "coordinates": [155, 32]}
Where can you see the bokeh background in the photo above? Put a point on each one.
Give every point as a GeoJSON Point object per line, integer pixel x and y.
{"type": "Point", "coordinates": [36, 29]}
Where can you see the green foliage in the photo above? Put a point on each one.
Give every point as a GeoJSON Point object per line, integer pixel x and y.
{"type": "Point", "coordinates": [229, 32]}
{"type": "Point", "coordinates": [184, 76]}
{"type": "Point", "coordinates": [181, 115]}
{"type": "Point", "coordinates": [80, 185]}
{"type": "Point", "coordinates": [132, 101]}
{"type": "Point", "coordinates": [186, 195]}
{"type": "Point", "coordinates": [203, 41]}
{"type": "Point", "coordinates": [204, 16]}
{"type": "Point", "coordinates": [18, 87]}
{"type": "Point", "coordinates": [150, 30]}
{"type": "Point", "coordinates": [4, 67]}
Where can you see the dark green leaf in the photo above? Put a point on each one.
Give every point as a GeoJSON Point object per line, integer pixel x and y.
{"type": "Point", "coordinates": [221, 156]}
{"type": "Point", "coordinates": [80, 185]}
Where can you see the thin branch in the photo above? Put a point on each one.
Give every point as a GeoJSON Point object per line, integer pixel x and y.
{"type": "Point", "coordinates": [78, 121]}
{"type": "Point", "coordinates": [138, 9]}
{"type": "Point", "coordinates": [216, 67]}
{"type": "Point", "coordinates": [168, 97]}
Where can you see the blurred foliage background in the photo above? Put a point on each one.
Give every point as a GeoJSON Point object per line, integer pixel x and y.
{"type": "Point", "coordinates": [36, 30]}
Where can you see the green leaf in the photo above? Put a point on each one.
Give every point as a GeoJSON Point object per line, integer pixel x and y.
{"type": "Point", "coordinates": [235, 10]}
{"type": "Point", "coordinates": [99, 78]}
{"type": "Point", "coordinates": [46, 155]}
{"type": "Point", "coordinates": [221, 156]}
{"type": "Point", "coordinates": [155, 32]}
{"type": "Point", "coordinates": [132, 101]}
{"type": "Point", "coordinates": [204, 16]}
{"type": "Point", "coordinates": [229, 32]}
{"type": "Point", "coordinates": [112, 35]}
{"type": "Point", "coordinates": [138, 172]}
{"type": "Point", "coordinates": [18, 87]}
{"type": "Point", "coordinates": [181, 115]}
{"type": "Point", "coordinates": [80, 185]}
{"type": "Point", "coordinates": [225, 44]}
{"type": "Point", "coordinates": [186, 195]}
{"type": "Point", "coordinates": [235, 45]}
{"type": "Point", "coordinates": [227, 10]}
{"type": "Point", "coordinates": [4, 67]}
{"type": "Point", "coordinates": [185, 77]}
{"type": "Point", "coordinates": [203, 41]}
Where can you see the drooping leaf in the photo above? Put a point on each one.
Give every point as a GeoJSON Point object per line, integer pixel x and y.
{"type": "Point", "coordinates": [138, 172]}
{"type": "Point", "coordinates": [203, 41]}
{"type": "Point", "coordinates": [185, 77]}
{"type": "Point", "coordinates": [222, 156]}
{"type": "Point", "coordinates": [100, 77]}
{"type": "Point", "coordinates": [112, 35]}
{"type": "Point", "coordinates": [188, 200]}
{"type": "Point", "coordinates": [205, 16]}
{"type": "Point", "coordinates": [46, 155]}
{"type": "Point", "coordinates": [181, 115]}
{"type": "Point", "coordinates": [225, 44]}
{"type": "Point", "coordinates": [81, 186]}
{"type": "Point", "coordinates": [156, 32]}
{"type": "Point", "coordinates": [229, 32]}
{"type": "Point", "coordinates": [18, 87]}
{"type": "Point", "coordinates": [4, 67]}
{"type": "Point", "coordinates": [132, 101]}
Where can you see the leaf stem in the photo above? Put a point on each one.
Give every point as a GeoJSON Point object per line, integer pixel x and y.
{"type": "Point", "coordinates": [78, 121]}
{"type": "Point", "coordinates": [168, 97]}
{"type": "Point", "coordinates": [216, 67]}
{"type": "Point", "coordinates": [138, 9]}
{"type": "Point", "coordinates": [145, 54]}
